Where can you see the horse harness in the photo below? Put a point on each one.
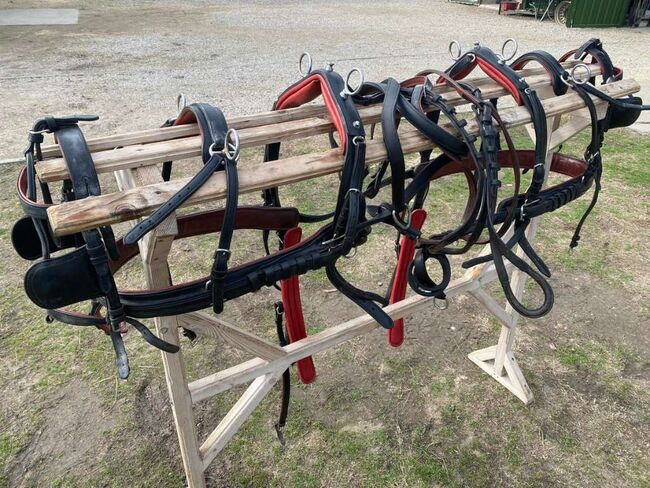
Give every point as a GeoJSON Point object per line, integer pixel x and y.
{"type": "Point", "coordinates": [86, 271]}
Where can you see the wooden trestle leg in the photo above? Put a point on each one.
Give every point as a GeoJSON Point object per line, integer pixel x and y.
{"type": "Point", "coordinates": [154, 249]}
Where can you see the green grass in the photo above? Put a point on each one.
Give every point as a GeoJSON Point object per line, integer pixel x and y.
{"type": "Point", "coordinates": [424, 417]}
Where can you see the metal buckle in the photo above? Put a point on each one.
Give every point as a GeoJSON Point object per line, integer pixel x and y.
{"type": "Point", "coordinates": [444, 304]}
{"type": "Point", "coordinates": [351, 254]}
{"type": "Point", "coordinates": [521, 209]}
{"type": "Point", "coordinates": [40, 132]}
{"type": "Point", "coordinates": [358, 140]}
{"type": "Point", "coordinates": [225, 251]}
{"type": "Point", "coordinates": [231, 146]}
{"type": "Point", "coordinates": [333, 239]}
{"type": "Point", "coordinates": [403, 224]}
{"type": "Point", "coordinates": [215, 149]}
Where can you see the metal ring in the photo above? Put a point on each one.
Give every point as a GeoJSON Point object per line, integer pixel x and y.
{"type": "Point", "coordinates": [445, 303]}
{"type": "Point", "coordinates": [214, 149]}
{"type": "Point", "coordinates": [451, 50]}
{"type": "Point", "coordinates": [181, 102]}
{"type": "Point", "coordinates": [358, 140]}
{"type": "Point", "coordinates": [309, 67]}
{"type": "Point", "coordinates": [231, 145]}
{"type": "Point", "coordinates": [347, 89]}
{"type": "Point", "coordinates": [572, 73]}
{"type": "Point", "coordinates": [503, 49]}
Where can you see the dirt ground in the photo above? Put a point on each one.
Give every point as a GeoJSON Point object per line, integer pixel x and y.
{"type": "Point", "coordinates": [421, 415]}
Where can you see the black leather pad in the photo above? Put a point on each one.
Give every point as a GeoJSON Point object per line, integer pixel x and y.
{"type": "Point", "coordinates": [62, 281]}
{"type": "Point", "coordinates": [625, 117]}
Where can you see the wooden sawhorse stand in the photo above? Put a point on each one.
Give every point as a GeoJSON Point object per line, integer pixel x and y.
{"type": "Point", "coordinates": [142, 189]}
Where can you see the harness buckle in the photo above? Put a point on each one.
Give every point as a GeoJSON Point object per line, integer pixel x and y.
{"type": "Point", "coordinates": [523, 207]}
{"type": "Point", "coordinates": [593, 156]}
{"type": "Point", "coordinates": [403, 224]}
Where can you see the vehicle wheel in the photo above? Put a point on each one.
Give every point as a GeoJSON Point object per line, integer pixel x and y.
{"type": "Point", "coordinates": [561, 11]}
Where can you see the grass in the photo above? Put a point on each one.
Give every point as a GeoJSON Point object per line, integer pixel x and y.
{"type": "Point", "coordinates": [418, 416]}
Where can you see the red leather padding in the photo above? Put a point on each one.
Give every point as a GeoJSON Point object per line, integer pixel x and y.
{"type": "Point", "coordinates": [290, 289]}
{"type": "Point", "coordinates": [306, 91]}
{"type": "Point", "coordinates": [459, 76]}
{"type": "Point", "coordinates": [500, 78]}
{"type": "Point", "coordinates": [493, 73]}
{"type": "Point", "coordinates": [398, 292]}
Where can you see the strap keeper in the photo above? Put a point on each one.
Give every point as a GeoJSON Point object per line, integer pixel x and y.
{"type": "Point", "coordinates": [220, 252]}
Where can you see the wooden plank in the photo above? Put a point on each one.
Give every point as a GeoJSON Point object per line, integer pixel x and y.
{"type": "Point", "coordinates": [72, 217]}
{"type": "Point", "coordinates": [103, 143]}
{"type": "Point", "coordinates": [155, 248]}
{"type": "Point", "coordinates": [244, 372]}
{"type": "Point", "coordinates": [568, 130]}
{"type": "Point", "coordinates": [237, 415]}
{"type": "Point", "coordinates": [492, 306]}
{"type": "Point", "coordinates": [168, 133]}
{"type": "Point", "coordinates": [205, 324]}
{"type": "Point", "coordinates": [189, 147]}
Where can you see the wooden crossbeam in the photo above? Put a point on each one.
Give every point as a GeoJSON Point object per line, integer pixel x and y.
{"type": "Point", "coordinates": [204, 388]}
{"type": "Point", "coordinates": [147, 136]}
{"type": "Point", "coordinates": [203, 323]}
{"type": "Point", "coordinates": [71, 217]}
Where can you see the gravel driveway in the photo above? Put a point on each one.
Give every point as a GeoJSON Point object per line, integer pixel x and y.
{"type": "Point", "coordinates": [128, 63]}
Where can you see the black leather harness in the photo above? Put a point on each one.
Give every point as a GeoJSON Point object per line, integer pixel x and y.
{"type": "Point", "coordinates": [86, 270]}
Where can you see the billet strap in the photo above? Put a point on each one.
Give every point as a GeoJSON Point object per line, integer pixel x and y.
{"type": "Point", "coordinates": [290, 289]}
{"type": "Point", "coordinates": [85, 183]}
{"type": "Point", "coordinates": [213, 127]}
{"type": "Point", "coordinates": [286, 375]}
{"type": "Point", "coordinates": [400, 279]}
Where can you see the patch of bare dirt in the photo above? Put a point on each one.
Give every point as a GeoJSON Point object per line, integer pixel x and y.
{"type": "Point", "coordinates": [73, 434]}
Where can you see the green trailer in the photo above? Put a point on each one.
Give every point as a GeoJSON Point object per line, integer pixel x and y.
{"type": "Point", "coordinates": [598, 13]}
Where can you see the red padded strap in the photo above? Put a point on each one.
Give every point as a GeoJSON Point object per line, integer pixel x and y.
{"type": "Point", "coordinates": [459, 76]}
{"type": "Point", "coordinates": [501, 79]}
{"type": "Point", "coordinates": [290, 289]}
{"type": "Point", "coordinates": [398, 292]}
{"type": "Point", "coordinates": [306, 91]}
